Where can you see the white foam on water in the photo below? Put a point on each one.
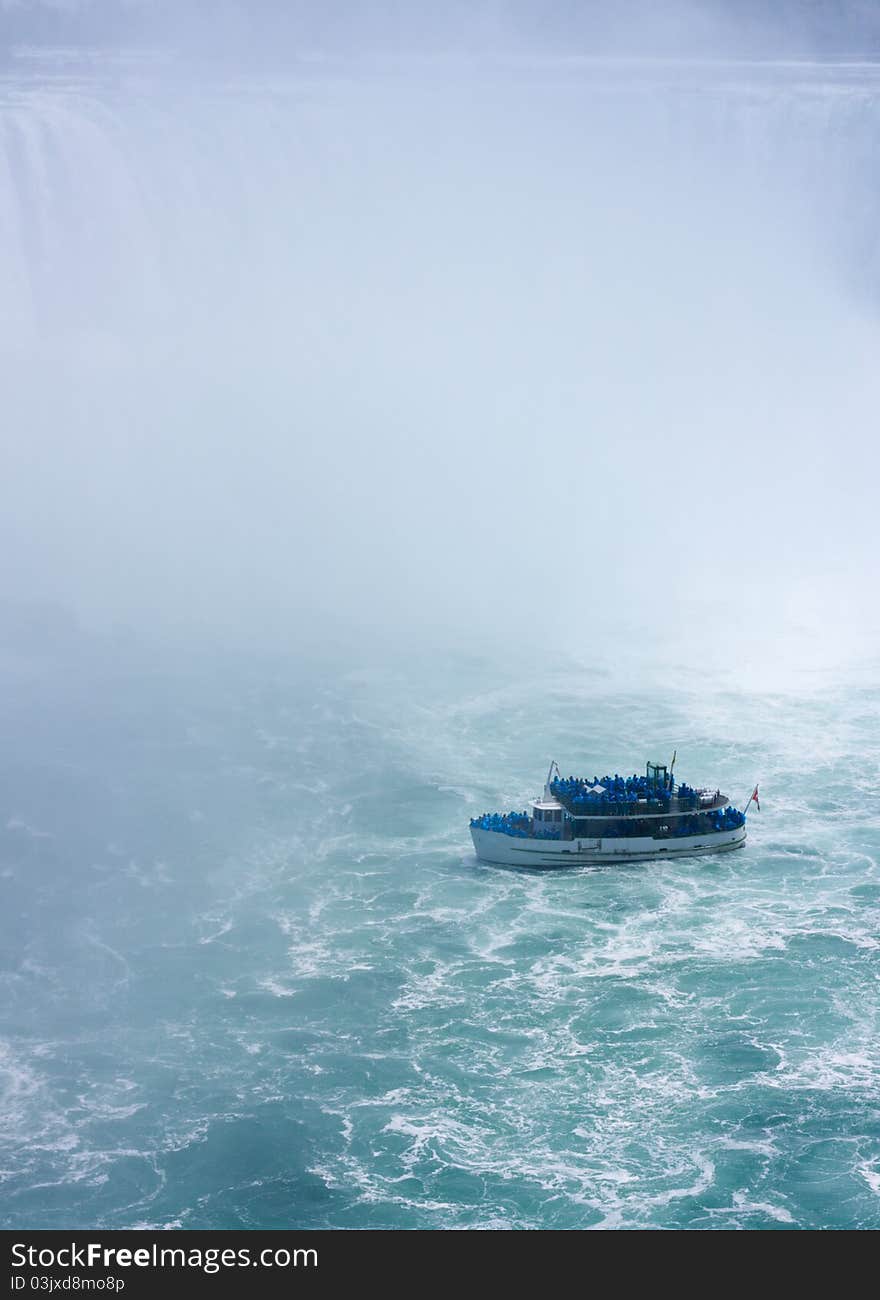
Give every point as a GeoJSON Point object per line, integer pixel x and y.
{"type": "Point", "coordinates": [224, 927]}
{"type": "Point", "coordinates": [277, 989]}
{"type": "Point", "coordinates": [742, 1204]}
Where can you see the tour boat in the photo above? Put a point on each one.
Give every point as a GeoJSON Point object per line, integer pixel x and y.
{"type": "Point", "coordinates": [612, 819]}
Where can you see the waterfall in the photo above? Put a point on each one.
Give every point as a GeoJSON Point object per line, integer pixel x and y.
{"type": "Point", "coordinates": [141, 205]}
{"type": "Point", "coordinates": [296, 337]}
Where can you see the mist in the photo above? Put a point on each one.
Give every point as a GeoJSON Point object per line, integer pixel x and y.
{"type": "Point", "coordinates": [394, 401]}
{"type": "Point", "coordinates": [539, 347]}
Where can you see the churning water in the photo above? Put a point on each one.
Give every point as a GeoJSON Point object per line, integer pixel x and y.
{"type": "Point", "coordinates": [254, 976]}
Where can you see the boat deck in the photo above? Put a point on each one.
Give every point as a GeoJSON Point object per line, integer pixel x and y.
{"type": "Point", "coordinates": [677, 808]}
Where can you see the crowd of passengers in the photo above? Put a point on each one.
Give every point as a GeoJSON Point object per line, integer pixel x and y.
{"type": "Point", "coordinates": [521, 825]}
{"type": "Point", "coordinates": [511, 823]}
{"type": "Point", "coordinates": [721, 819]}
{"type": "Point", "coordinates": [620, 795]}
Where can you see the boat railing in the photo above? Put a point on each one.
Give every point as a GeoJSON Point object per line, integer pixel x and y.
{"type": "Point", "coordinates": [662, 805]}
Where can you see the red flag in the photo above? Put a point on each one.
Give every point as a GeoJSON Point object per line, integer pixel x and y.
{"type": "Point", "coordinates": [755, 797]}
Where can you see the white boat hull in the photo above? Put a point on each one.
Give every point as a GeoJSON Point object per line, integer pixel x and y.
{"type": "Point", "coordinates": [513, 851]}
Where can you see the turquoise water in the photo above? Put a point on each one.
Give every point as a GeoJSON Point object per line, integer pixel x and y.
{"type": "Point", "coordinates": [254, 977]}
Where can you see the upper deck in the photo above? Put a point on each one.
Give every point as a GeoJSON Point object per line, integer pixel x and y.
{"type": "Point", "coordinates": [651, 796]}
{"type": "Point", "coordinates": [674, 806]}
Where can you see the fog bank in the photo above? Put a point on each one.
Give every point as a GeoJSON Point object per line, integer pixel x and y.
{"type": "Point", "coordinates": [505, 351]}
